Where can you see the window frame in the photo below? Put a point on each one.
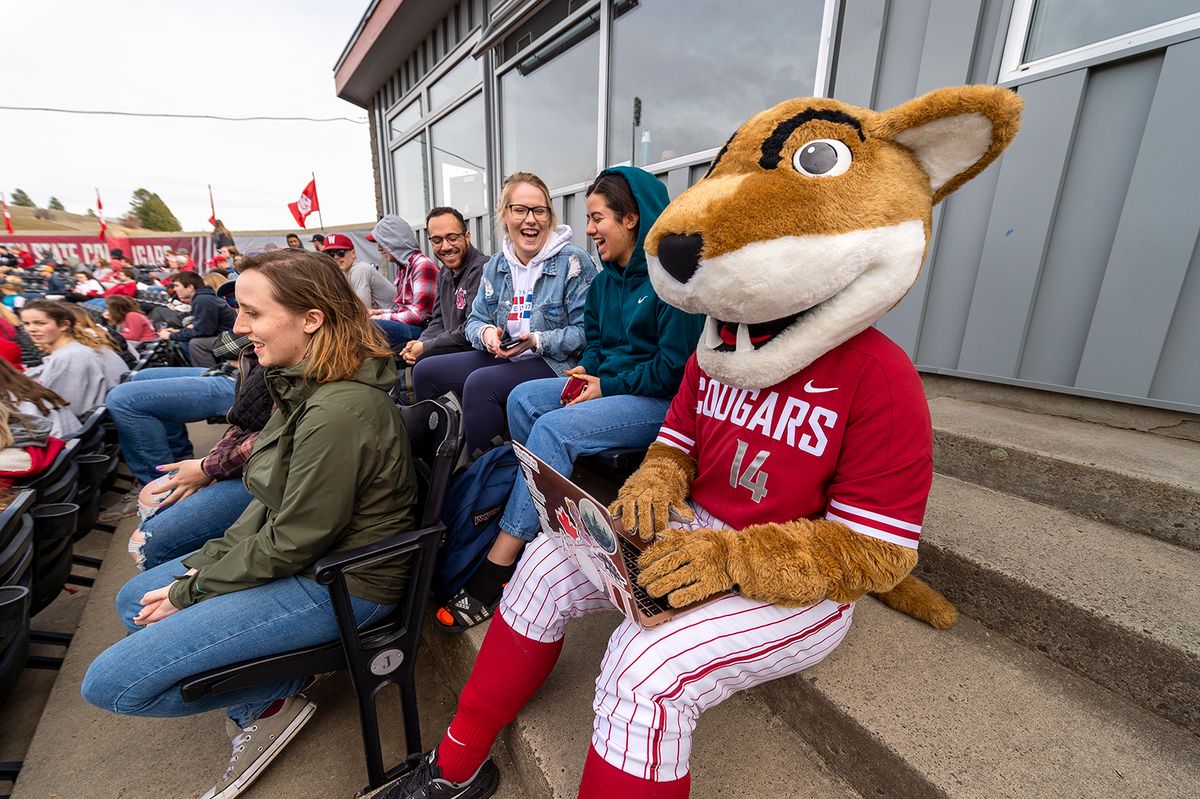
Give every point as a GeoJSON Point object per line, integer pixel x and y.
{"type": "Point", "coordinates": [1014, 69]}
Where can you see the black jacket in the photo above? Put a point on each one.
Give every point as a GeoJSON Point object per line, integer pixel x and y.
{"type": "Point", "coordinates": [211, 315]}
{"type": "Point", "coordinates": [455, 293]}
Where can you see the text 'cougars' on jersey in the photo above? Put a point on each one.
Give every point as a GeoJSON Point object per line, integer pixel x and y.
{"type": "Point", "coordinates": [787, 419]}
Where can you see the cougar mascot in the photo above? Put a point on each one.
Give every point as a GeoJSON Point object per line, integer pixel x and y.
{"type": "Point", "coordinates": [791, 474]}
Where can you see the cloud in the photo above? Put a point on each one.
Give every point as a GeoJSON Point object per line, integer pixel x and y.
{"type": "Point", "coordinates": [222, 57]}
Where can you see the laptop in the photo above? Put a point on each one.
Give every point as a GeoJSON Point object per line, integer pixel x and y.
{"type": "Point", "coordinates": [597, 542]}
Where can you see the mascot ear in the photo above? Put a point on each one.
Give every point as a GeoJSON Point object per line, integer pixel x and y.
{"type": "Point", "coordinates": [954, 133]}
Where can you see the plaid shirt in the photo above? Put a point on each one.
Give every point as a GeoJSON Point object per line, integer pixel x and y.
{"type": "Point", "coordinates": [416, 289]}
{"type": "Point", "coordinates": [225, 460]}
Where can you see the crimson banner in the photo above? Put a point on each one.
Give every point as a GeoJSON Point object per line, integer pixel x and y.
{"type": "Point", "coordinates": [140, 250]}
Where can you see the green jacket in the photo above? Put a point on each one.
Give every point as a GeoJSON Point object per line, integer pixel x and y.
{"type": "Point", "coordinates": [331, 471]}
{"type": "Point", "coordinates": [636, 343]}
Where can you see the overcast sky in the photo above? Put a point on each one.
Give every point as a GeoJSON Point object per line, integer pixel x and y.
{"type": "Point", "coordinates": [227, 57]}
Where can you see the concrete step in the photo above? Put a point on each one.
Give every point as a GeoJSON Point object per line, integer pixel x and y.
{"type": "Point", "coordinates": [1140, 481]}
{"type": "Point", "coordinates": [905, 711]}
{"type": "Point", "coordinates": [1115, 606]}
{"type": "Point", "coordinates": [82, 751]}
{"type": "Point", "coordinates": [741, 748]}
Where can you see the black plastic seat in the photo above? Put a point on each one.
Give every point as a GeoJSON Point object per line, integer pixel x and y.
{"type": "Point", "coordinates": [55, 518]}
{"type": "Point", "coordinates": [384, 653]}
{"type": "Point", "coordinates": [16, 541]}
{"type": "Point", "coordinates": [14, 636]}
{"type": "Point", "coordinates": [623, 460]}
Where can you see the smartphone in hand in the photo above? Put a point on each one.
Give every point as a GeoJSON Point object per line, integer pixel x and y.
{"type": "Point", "coordinates": [573, 388]}
{"type": "Point", "coordinates": [507, 342]}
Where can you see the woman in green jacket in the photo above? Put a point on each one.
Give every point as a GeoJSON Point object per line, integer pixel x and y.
{"type": "Point", "coordinates": [331, 471]}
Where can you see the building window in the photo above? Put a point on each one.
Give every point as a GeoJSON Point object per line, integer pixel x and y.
{"type": "Point", "coordinates": [459, 158]}
{"type": "Point", "coordinates": [692, 98]}
{"type": "Point", "coordinates": [462, 76]}
{"type": "Point", "coordinates": [1049, 34]}
{"type": "Point", "coordinates": [405, 120]}
{"type": "Point", "coordinates": [548, 104]}
{"type": "Point", "coordinates": [411, 181]}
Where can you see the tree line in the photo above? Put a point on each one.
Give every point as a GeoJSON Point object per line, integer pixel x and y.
{"type": "Point", "coordinates": [146, 210]}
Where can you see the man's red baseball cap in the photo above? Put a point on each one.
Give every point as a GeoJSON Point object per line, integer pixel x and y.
{"type": "Point", "coordinates": [338, 241]}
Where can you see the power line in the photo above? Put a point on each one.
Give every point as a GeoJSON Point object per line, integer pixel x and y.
{"type": "Point", "coordinates": [179, 116]}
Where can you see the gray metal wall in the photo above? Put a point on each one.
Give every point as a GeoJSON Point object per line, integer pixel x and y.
{"type": "Point", "coordinates": [1070, 265]}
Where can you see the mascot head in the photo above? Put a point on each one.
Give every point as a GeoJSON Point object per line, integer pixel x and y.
{"type": "Point", "coordinates": [814, 220]}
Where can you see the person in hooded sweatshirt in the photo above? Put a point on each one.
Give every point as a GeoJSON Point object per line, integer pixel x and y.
{"type": "Point", "coordinates": [527, 318]}
{"type": "Point", "coordinates": [416, 282]}
{"type": "Point", "coordinates": [637, 346]}
{"type": "Point", "coordinates": [330, 472]}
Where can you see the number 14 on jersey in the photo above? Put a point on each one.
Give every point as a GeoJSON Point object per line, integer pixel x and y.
{"type": "Point", "coordinates": [754, 479]}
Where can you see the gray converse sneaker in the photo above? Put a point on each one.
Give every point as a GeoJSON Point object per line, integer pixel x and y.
{"type": "Point", "coordinates": [256, 746]}
{"type": "Point", "coordinates": [123, 508]}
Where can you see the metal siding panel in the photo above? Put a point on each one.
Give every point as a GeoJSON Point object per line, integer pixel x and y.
{"type": "Point", "coordinates": [953, 268]}
{"type": "Point", "coordinates": [860, 47]}
{"type": "Point", "coordinates": [1031, 172]}
{"type": "Point", "coordinates": [900, 63]}
{"type": "Point", "coordinates": [1113, 115]}
{"type": "Point", "coordinates": [1155, 239]}
{"type": "Point", "coordinates": [677, 181]}
{"type": "Point", "coordinates": [949, 44]}
{"type": "Point", "coordinates": [945, 61]}
{"type": "Point", "coordinates": [1178, 378]}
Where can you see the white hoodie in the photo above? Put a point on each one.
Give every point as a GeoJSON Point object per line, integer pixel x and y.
{"type": "Point", "coordinates": [525, 276]}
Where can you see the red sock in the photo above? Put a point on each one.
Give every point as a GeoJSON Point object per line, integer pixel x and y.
{"type": "Point", "coordinates": [603, 781]}
{"type": "Point", "coordinates": [509, 670]}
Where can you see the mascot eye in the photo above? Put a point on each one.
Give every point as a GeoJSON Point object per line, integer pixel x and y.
{"type": "Point", "coordinates": [823, 158]}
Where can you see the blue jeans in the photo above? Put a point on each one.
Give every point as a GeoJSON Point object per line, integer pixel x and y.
{"type": "Point", "coordinates": [179, 529]}
{"type": "Point", "coordinates": [558, 435]}
{"type": "Point", "coordinates": [140, 674]}
{"type": "Point", "coordinates": [152, 409]}
{"type": "Point", "coordinates": [398, 333]}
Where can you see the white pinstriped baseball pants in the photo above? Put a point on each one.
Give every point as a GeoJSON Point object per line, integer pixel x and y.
{"type": "Point", "coordinates": [654, 684]}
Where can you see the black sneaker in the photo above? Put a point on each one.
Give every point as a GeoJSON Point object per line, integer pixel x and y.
{"type": "Point", "coordinates": [425, 781]}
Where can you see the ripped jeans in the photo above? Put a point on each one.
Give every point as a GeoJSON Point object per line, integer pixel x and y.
{"type": "Point", "coordinates": [185, 526]}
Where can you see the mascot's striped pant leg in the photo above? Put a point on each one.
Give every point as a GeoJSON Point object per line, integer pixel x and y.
{"type": "Point", "coordinates": [654, 684]}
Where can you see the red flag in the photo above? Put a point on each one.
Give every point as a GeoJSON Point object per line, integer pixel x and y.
{"type": "Point", "coordinates": [212, 220]}
{"type": "Point", "coordinates": [100, 213]}
{"type": "Point", "coordinates": [306, 204]}
{"type": "Point", "coordinates": [7, 215]}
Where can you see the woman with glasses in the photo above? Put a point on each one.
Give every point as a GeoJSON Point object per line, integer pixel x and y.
{"type": "Point", "coordinates": [527, 318]}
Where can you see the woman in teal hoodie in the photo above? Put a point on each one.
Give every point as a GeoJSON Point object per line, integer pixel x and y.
{"type": "Point", "coordinates": [632, 363]}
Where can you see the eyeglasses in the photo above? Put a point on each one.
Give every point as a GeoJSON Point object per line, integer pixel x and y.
{"type": "Point", "coordinates": [449, 238]}
{"type": "Point", "coordinates": [336, 253]}
{"type": "Point", "coordinates": [540, 212]}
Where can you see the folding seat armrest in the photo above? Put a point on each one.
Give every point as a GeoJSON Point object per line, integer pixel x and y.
{"type": "Point", "coordinates": [331, 567]}
{"type": "Point", "coordinates": [331, 570]}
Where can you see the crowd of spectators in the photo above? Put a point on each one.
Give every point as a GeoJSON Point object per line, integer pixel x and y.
{"type": "Point", "coordinates": [300, 351]}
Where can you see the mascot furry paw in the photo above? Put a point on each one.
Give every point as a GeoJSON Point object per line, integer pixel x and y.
{"type": "Point", "coordinates": [798, 426]}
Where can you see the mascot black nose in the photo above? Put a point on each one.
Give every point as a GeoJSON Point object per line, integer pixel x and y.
{"type": "Point", "coordinates": [680, 255]}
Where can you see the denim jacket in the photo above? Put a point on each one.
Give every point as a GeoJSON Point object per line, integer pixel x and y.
{"type": "Point", "coordinates": [557, 313]}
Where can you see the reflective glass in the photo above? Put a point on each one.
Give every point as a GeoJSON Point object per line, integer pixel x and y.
{"type": "Point", "coordinates": [461, 77]}
{"type": "Point", "coordinates": [459, 159]}
{"type": "Point", "coordinates": [548, 108]}
{"type": "Point", "coordinates": [740, 58]}
{"type": "Point", "coordinates": [405, 120]}
{"type": "Point", "coordinates": [410, 180]}
{"type": "Point", "coordinates": [1061, 25]}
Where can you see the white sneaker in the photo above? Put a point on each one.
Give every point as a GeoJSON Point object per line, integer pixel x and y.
{"type": "Point", "coordinates": [257, 745]}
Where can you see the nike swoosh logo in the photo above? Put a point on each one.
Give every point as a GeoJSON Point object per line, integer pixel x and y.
{"type": "Point", "coordinates": [811, 389]}
{"type": "Point", "coordinates": [643, 299]}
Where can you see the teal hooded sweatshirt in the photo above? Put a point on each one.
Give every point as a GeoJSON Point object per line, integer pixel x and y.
{"type": "Point", "coordinates": [636, 343]}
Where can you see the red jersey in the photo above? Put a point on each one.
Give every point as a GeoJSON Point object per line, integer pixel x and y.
{"type": "Point", "coordinates": [848, 438]}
